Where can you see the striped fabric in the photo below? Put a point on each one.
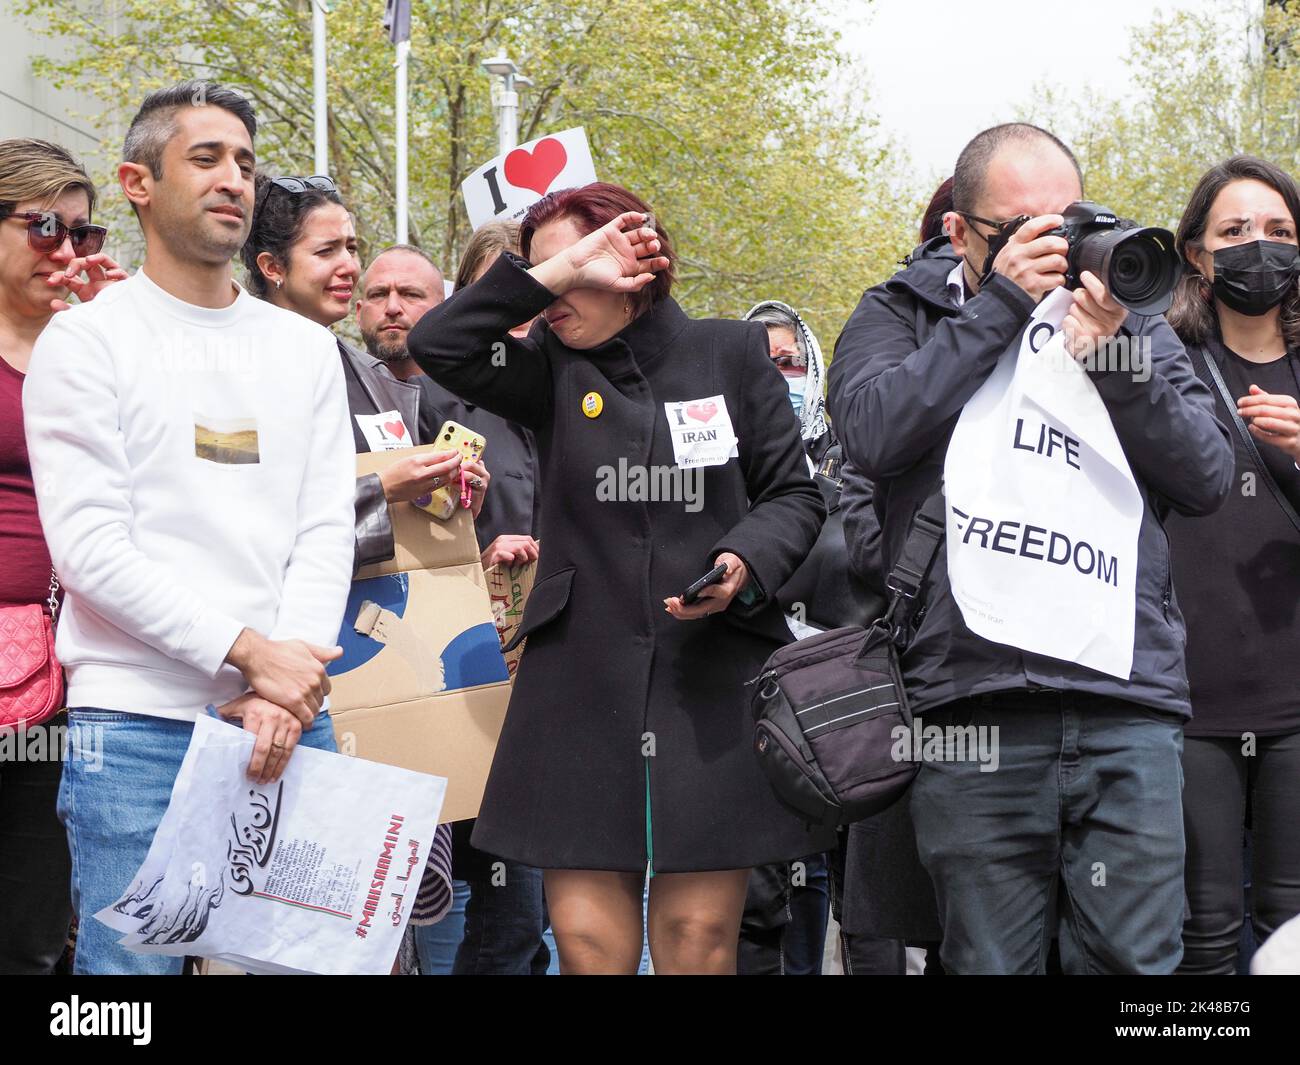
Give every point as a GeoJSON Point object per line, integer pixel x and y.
{"type": "Point", "coordinates": [434, 897]}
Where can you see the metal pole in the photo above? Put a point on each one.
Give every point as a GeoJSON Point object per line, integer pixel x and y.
{"type": "Point", "coordinates": [508, 134]}
{"type": "Point", "coordinates": [403, 51]}
{"type": "Point", "coordinates": [318, 85]}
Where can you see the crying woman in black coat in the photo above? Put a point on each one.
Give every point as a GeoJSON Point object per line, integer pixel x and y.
{"type": "Point", "coordinates": [667, 446]}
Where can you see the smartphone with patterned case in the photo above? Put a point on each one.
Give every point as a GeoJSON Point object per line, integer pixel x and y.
{"type": "Point", "coordinates": [451, 437]}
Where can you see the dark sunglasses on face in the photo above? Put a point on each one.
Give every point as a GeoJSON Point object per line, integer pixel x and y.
{"type": "Point", "coordinates": [46, 234]}
{"type": "Point", "coordinates": [1004, 229]}
{"type": "Point", "coordinates": [789, 362]}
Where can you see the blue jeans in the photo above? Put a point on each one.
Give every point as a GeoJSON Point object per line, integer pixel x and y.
{"type": "Point", "coordinates": [117, 781]}
{"type": "Point", "coordinates": [504, 922]}
{"type": "Point", "coordinates": [436, 944]}
{"type": "Point", "coordinates": [1087, 793]}
{"type": "Point", "coordinates": [491, 930]}
{"type": "Point", "coordinates": [805, 935]}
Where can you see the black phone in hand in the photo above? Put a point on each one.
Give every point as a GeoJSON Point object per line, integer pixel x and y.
{"type": "Point", "coordinates": [712, 577]}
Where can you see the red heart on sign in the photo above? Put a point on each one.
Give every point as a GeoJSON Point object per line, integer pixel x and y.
{"type": "Point", "coordinates": [702, 412]}
{"type": "Point", "coordinates": [396, 428]}
{"type": "Point", "coordinates": [536, 169]}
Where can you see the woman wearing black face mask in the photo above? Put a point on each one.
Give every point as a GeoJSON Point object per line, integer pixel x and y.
{"type": "Point", "coordinates": [1238, 571]}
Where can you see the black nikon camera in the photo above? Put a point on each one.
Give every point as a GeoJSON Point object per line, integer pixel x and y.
{"type": "Point", "coordinates": [1137, 264]}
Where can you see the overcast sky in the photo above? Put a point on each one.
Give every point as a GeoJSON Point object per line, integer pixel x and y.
{"type": "Point", "coordinates": [939, 71]}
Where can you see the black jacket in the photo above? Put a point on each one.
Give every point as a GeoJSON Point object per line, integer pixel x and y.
{"type": "Point", "coordinates": [905, 365]}
{"type": "Point", "coordinates": [371, 390]}
{"type": "Point", "coordinates": [514, 497]}
{"type": "Point", "coordinates": [629, 733]}
{"type": "Point", "coordinates": [826, 591]}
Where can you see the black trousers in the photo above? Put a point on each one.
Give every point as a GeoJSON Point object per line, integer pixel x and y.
{"type": "Point", "coordinates": [35, 868]}
{"type": "Point", "coordinates": [1221, 780]}
{"type": "Point", "coordinates": [861, 955]}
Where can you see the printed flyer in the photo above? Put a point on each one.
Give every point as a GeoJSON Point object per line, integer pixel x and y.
{"type": "Point", "coordinates": [315, 873]}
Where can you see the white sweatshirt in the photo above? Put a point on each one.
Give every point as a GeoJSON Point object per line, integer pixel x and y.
{"type": "Point", "coordinates": [195, 475]}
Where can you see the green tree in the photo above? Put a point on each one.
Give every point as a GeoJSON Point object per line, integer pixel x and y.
{"type": "Point", "coordinates": [722, 115]}
{"type": "Point", "coordinates": [1204, 88]}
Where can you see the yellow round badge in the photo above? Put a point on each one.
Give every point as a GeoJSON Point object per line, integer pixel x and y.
{"type": "Point", "coordinates": [592, 404]}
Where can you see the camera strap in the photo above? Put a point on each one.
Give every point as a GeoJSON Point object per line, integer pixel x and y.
{"type": "Point", "coordinates": [1248, 440]}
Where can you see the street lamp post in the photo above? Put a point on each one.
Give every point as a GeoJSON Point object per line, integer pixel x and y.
{"type": "Point", "coordinates": [319, 103]}
{"type": "Point", "coordinates": [503, 66]}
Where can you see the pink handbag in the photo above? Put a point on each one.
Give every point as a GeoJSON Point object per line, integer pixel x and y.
{"type": "Point", "coordinates": [31, 679]}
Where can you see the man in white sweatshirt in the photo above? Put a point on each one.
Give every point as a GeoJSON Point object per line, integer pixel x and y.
{"type": "Point", "coordinates": [194, 468]}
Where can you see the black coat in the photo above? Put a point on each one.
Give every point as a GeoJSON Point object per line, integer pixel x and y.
{"type": "Point", "coordinates": [608, 675]}
{"type": "Point", "coordinates": [372, 389]}
{"type": "Point", "coordinates": [826, 591]}
{"type": "Point", "coordinates": [514, 495]}
{"type": "Point", "coordinates": [904, 367]}
{"type": "Point", "coordinates": [887, 891]}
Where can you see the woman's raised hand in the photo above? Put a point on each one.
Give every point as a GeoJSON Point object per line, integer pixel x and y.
{"type": "Point", "coordinates": [614, 257]}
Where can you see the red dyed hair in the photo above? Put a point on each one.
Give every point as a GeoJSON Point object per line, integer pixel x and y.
{"type": "Point", "coordinates": [590, 207]}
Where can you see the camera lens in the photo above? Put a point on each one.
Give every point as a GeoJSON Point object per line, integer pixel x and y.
{"type": "Point", "coordinates": [1138, 266]}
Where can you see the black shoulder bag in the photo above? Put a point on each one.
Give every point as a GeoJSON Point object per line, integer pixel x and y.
{"type": "Point", "coordinates": [828, 708]}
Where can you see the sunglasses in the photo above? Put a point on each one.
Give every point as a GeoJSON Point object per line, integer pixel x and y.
{"type": "Point", "coordinates": [46, 234]}
{"type": "Point", "coordinates": [1004, 229]}
{"type": "Point", "coordinates": [301, 184]}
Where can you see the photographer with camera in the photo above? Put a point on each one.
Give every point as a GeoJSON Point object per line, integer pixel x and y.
{"type": "Point", "coordinates": [1086, 789]}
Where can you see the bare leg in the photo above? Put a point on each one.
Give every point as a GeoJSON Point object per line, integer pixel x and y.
{"type": "Point", "coordinates": [596, 918]}
{"type": "Point", "coordinates": [695, 921]}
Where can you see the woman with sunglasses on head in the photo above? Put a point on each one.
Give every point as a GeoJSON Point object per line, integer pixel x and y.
{"type": "Point", "coordinates": [301, 254]}
{"type": "Point", "coordinates": [49, 252]}
{"type": "Point", "coordinates": [1237, 572]}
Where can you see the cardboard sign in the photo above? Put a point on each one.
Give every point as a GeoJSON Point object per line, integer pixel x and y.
{"type": "Point", "coordinates": [422, 683]}
{"type": "Point", "coordinates": [505, 187]}
{"type": "Point", "coordinates": [421, 541]}
{"type": "Point", "coordinates": [508, 586]}
{"type": "Point", "coordinates": [1042, 510]}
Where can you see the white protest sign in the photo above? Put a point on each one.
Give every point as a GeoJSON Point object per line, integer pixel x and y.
{"type": "Point", "coordinates": [314, 873]}
{"type": "Point", "coordinates": [385, 431]}
{"type": "Point", "coordinates": [1042, 510]}
{"type": "Point", "coordinates": [505, 187]}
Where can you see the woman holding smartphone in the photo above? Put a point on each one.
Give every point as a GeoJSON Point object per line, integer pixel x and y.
{"type": "Point", "coordinates": [668, 447]}
{"type": "Point", "coordinates": [301, 254]}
